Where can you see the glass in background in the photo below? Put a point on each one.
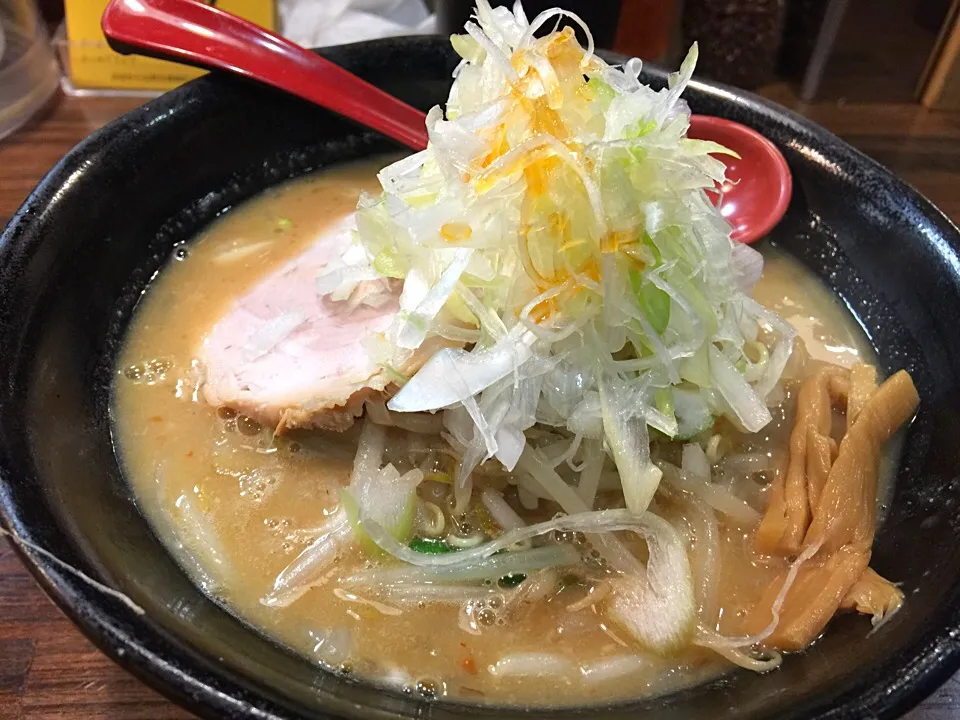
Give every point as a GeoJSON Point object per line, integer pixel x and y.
{"type": "Point", "coordinates": [29, 75]}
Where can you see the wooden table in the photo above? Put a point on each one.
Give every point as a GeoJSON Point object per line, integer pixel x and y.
{"type": "Point", "coordinates": [48, 670]}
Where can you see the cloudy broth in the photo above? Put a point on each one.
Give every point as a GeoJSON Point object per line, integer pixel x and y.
{"type": "Point", "coordinates": [235, 505]}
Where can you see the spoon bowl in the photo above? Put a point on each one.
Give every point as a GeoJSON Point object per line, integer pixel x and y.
{"type": "Point", "coordinates": [758, 187]}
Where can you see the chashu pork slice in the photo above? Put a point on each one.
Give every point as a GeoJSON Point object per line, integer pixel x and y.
{"type": "Point", "coordinates": [289, 357]}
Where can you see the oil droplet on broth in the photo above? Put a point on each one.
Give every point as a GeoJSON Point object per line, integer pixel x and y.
{"type": "Point", "coordinates": [149, 372]}
{"type": "Point", "coordinates": [247, 426]}
{"type": "Point", "coordinates": [226, 413]}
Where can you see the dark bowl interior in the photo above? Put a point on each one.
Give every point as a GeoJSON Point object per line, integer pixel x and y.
{"type": "Point", "coordinates": [75, 259]}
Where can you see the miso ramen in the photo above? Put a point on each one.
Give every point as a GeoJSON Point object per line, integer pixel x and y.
{"type": "Point", "coordinates": [524, 425]}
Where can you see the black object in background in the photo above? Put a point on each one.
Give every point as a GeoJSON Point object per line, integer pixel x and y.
{"type": "Point", "coordinates": [52, 12]}
{"type": "Point", "coordinates": [801, 30]}
{"type": "Point", "coordinates": [739, 39]}
{"type": "Point", "coordinates": [931, 14]}
{"type": "Point", "coordinates": [601, 16]}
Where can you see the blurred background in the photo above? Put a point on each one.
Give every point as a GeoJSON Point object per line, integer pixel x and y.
{"type": "Point", "coordinates": [882, 74]}
{"type": "Point", "coordinates": [878, 51]}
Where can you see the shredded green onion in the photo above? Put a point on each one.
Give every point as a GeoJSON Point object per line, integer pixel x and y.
{"type": "Point", "coordinates": [433, 546]}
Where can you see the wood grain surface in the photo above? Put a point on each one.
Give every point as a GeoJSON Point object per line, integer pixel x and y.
{"type": "Point", "coordinates": [49, 670]}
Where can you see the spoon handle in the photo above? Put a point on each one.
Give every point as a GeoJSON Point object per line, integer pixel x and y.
{"type": "Point", "coordinates": [193, 33]}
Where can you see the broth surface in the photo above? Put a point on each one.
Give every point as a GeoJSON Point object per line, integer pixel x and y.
{"type": "Point", "coordinates": [235, 505]}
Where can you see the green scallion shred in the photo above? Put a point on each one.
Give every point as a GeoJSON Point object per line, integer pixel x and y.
{"type": "Point", "coordinates": [654, 302]}
{"type": "Point", "coordinates": [431, 546]}
{"type": "Point", "coordinates": [601, 90]}
{"type": "Point", "coordinates": [664, 401]}
{"type": "Point", "coordinates": [386, 264]}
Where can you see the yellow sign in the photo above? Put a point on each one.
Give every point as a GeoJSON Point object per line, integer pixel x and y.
{"type": "Point", "coordinates": [94, 65]}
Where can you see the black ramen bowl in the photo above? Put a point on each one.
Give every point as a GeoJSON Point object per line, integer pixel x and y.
{"type": "Point", "coordinates": [79, 253]}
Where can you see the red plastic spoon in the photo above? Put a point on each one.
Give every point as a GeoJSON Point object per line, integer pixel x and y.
{"type": "Point", "coordinates": [194, 33]}
{"type": "Point", "coordinates": [758, 186]}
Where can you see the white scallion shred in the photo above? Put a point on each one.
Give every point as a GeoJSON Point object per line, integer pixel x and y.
{"type": "Point", "coordinates": [556, 243]}
{"type": "Point", "coordinates": [559, 215]}
{"type": "Point", "coordinates": [530, 665]}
